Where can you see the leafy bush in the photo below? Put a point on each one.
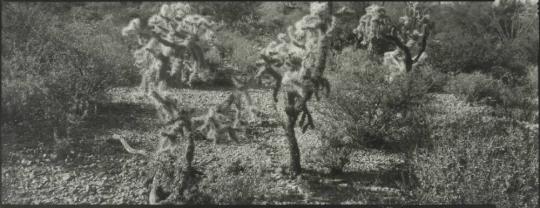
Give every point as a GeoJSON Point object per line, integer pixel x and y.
{"type": "Point", "coordinates": [476, 159]}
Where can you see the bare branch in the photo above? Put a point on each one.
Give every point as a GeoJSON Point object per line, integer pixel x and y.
{"type": "Point", "coordinates": [128, 147]}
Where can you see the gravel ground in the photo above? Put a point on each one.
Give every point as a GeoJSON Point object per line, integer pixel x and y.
{"type": "Point", "coordinates": [99, 171]}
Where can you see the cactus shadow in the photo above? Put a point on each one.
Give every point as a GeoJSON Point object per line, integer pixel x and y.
{"type": "Point", "coordinates": [127, 116]}
{"type": "Point", "coordinates": [337, 187]}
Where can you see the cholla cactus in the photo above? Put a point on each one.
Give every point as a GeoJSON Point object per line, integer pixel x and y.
{"type": "Point", "coordinates": [371, 26]}
{"type": "Point", "coordinates": [178, 125]}
{"type": "Point", "coordinates": [133, 28]}
{"type": "Point", "coordinates": [297, 62]}
{"type": "Point", "coordinates": [218, 123]}
{"type": "Point", "coordinates": [409, 34]}
{"type": "Point", "coordinates": [179, 40]}
{"type": "Point", "coordinates": [298, 52]}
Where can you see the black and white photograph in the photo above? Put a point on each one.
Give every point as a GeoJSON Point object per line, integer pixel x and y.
{"type": "Point", "coordinates": [270, 103]}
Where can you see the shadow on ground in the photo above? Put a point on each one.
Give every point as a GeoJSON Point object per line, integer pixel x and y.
{"type": "Point", "coordinates": [369, 186]}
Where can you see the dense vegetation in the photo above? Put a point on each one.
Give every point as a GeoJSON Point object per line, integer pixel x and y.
{"type": "Point", "coordinates": [465, 122]}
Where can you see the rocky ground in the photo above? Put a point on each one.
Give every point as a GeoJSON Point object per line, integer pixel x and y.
{"type": "Point", "coordinates": [98, 170]}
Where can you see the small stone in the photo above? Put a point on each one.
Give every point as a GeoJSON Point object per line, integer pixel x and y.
{"type": "Point", "coordinates": [66, 177]}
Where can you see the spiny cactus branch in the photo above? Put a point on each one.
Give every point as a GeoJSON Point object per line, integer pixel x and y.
{"type": "Point", "coordinates": [177, 34]}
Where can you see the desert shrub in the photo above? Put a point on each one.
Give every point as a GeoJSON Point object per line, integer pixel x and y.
{"type": "Point", "coordinates": [274, 17]}
{"type": "Point", "coordinates": [473, 37]}
{"type": "Point", "coordinates": [521, 101]}
{"type": "Point", "coordinates": [245, 188]}
{"type": "Point", "coordinates": [476, 87]}
{"type": "Point", "coordinates": [434, 79]}
{"type": "Point", "coordinates": [331, 152]}
{"type": "Point", "coordinates": [383, 113]}
{"type": "Point", "coordinates": [352, 59]}
{"type": "Point", "coordinates": [463, 52]}
{"type": "Point", "coordinates": [238, 16]}
{"type": "Point", "coordinates": [365, 109]}
{"type": "Point", "coordinates": [101, 40]}
{"type": "Point", "coordinates": [229, 12]}
{"type": "Point", "coordinates": [483, 89]}
{"type": "Point", "coordinates": [476, 159]}
{"type": "Point", "coordinates": [51, 74]}
{"type": "Point", "coordinates": [235, 180]}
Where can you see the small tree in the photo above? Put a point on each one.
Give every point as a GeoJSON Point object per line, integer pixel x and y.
{"type": "Point", "coordinates": [409, 35]}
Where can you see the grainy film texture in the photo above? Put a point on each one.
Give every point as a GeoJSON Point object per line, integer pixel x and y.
{"type": "Point", "coordinates": [270, 103]}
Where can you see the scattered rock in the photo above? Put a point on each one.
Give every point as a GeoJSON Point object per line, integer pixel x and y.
{"type": "Point", "coordinates": [66, 176]}
{"type": "Point", "coordinates": [100, 174]}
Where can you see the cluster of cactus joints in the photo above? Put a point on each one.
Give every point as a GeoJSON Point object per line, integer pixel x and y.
{"type": "Point", "coordinates": [371, 28]}
{"type": "Point", "coordinates": [297, 62]}
{"type": "Point", "coordinates": [409, 34]}
{"type": "Point", "coordinates": [174, 40]}
{"type": "Point", "coordinates": [217, 123]}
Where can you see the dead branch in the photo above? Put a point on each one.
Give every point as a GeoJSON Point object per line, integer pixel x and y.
{"type": "Point", "coordinates": [128, 147]}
